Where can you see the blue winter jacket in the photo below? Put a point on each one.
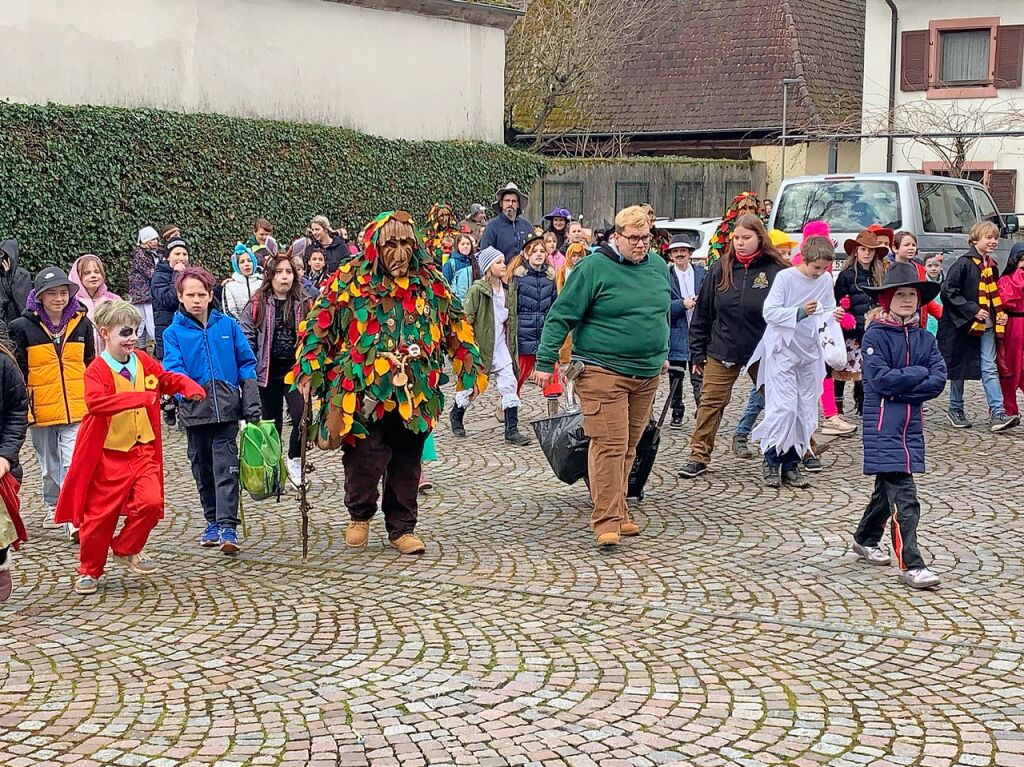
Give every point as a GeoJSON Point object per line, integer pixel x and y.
{"type": "Point", "coordinates": [506, 235]}
{"type": "Point", "coordinates": [534, 292]}
{"type": "Point", "coordinates": [165, 302]}
{"type": "Point", "coordinates": [902, 370]}
{"type": "Point", "coordinates": [456, 262]}
{"type": "Point", "coordinates": [219, 359]}
{"type": "Point", "coordinates": [679, 326]}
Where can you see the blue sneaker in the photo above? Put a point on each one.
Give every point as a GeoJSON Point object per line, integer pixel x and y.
{"type": "Point", "coordinates": [229, 541]}
{"type": "Point", "coordinates": [211, 537]}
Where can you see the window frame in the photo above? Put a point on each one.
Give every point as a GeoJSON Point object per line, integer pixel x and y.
{"type": "Point", "coordinates": [644, 198]}
{"type": "Point", "coordinates": [560, 199]}
{"type": "Point", "coordinates": [939, 90]}
{"type": "Point", "coordinates": [698, 185]}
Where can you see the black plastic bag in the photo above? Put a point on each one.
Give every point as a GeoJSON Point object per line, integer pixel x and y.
{"type": "Point", "coordinates": [564, 445]}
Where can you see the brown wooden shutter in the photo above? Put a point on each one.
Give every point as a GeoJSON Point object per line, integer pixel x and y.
{"type": "Point", "coordinates": [1009, 56]}
{"type": "Point", "coordinates": [1003, 186]}
{"type": "Point", "coordinates": [914, 64]}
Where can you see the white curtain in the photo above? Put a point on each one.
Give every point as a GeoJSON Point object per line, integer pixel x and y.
{"type": "Point", "coordinates": [965, 56]}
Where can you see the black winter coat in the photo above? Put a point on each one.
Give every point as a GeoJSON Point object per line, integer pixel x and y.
{"type": "Point", "coordinates": [849, 284]}
{"type": "Point", "coordinates": [336, 253]}
{"type": "Point", "coordinates": [15, 282]}
{"type": "Point", "coordinates": [165, 303]}
{"type": "Point", "coordinates": [13, 411]}
{"type": "Point", "coordinates": [727, 326]}
{"type": "Point", "coordinates": [534, 292]}
{"type": "Point", "coordinates": [959, 348]}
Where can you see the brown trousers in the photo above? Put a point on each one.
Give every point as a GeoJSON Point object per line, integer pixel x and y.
{"type": "Point", "coordinates": [616, 410]}
{"type": "Point", "coordinates": [715, 393]}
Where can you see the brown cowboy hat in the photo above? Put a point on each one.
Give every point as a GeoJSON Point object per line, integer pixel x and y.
{"type": "Point", "coordinates": [866, 239]}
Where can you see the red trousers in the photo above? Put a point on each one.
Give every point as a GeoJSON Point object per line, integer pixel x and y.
{"type": "Point", "coordinates": [527, 362]}
{"type": "Point", "coordinates": [125, 484]}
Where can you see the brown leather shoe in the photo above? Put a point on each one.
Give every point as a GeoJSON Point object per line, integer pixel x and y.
{"type": "Point", "coordinates": [629, 528]}
{"type": "Point", "coordinates": [605, 540]}
{"type": "Point", "coordinates": [409, 544]}
{"type": "Point", "coordinates": [357, 533]}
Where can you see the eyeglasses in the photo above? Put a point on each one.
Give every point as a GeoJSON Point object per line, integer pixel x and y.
{"type": "Point", "coordinates": [636, 239]}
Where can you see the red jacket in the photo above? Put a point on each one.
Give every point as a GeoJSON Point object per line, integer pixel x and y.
{"type": "Point", "coordinates": [103, 401]}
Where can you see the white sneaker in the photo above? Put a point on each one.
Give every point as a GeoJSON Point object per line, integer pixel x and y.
{"type": "Point", "coordinates": [295, 471]}
{"type": "Point", "coordinates": [72, 532]}
{"type": "Point", "coordinates": [872, 554]}
{"type": "Point", "coordinates": [921, 578]}
{"type": "Point", "coordinates": [48, 523]}
{"type": "Point", "coordinates": [837, 427]}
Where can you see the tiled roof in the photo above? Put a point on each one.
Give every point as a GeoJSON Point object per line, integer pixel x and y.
{"type": "Point", "coordinates": [712, 65]}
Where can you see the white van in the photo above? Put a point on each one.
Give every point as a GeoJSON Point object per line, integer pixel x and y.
{"type": "Point", "coordinates": [938, 210]}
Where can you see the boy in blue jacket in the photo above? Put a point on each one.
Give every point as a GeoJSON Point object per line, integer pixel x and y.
{"type": "Point", "coordinates": [210, 348]}
{"type": "Point", "coordinates": [902, 370]}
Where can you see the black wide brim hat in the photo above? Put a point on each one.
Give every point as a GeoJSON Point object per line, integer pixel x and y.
{"type": "Point", "coordinates": [906, 276]}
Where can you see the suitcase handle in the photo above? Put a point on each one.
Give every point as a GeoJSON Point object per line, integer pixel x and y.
{"type": "Point", "coordinates": [671, 393]}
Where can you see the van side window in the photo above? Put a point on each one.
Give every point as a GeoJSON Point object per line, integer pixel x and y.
{"type": "Point", "coordinates": [946, 208]}
{"type": "Point", "coordinates": [986, 208]}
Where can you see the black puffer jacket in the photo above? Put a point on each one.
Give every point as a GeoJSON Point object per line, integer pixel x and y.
{"type": "Point", "coordinates": [849, 284]}
{"type": "Point", "coordinates": [534, 292]}
{"type": "Point", "coordinates": [13, 407]}
{"type": "Point", "coordinates": [727, 325]}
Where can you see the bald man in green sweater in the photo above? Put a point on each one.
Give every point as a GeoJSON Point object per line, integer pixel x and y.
{"type": "Point", "coordinates": [615, 303]}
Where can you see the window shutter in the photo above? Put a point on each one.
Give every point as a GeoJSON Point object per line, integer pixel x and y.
{"type": "Point", "coordinates": [1009, 56]}
{"type": "Point", "coordinates": [1003, 186]}
{"type": "Point", "coordinates": [914, 65]}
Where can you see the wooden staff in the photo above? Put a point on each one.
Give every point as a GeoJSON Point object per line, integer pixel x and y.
{"type": "Point", "coordinates": [307, 417]}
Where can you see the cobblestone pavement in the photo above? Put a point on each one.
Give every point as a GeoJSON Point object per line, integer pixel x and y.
{"type": "Point", "coordinates": [737, 629]}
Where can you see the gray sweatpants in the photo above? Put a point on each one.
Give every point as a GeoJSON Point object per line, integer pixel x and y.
{"type": "Point", "coordinates": [54, 446]}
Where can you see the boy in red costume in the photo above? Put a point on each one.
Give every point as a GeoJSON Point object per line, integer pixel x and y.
{"type": "Point", "coordinates": [117, 467]}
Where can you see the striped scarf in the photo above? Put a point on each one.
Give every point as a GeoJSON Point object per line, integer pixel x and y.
{"type": "Point", "coordinates": [988, 297]}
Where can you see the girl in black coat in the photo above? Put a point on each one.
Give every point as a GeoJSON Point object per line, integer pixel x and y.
{"type": "Point", "coordinates": [13, 425]}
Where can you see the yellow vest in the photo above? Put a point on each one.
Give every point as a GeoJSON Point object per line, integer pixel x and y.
{"type": "Point", "coordinates": [131, 427]}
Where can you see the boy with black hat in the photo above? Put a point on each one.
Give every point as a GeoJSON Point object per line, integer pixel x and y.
{"type": "Point", "coordinates": [902, 369]}
{"type": "Point", "coordinates": [54, 342]}
{"type": "Point", "coordinates": [684, 283]}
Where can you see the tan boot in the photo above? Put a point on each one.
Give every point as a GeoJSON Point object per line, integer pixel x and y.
{"type": "Point", "coordinates": [357, 533]}
{"type": "Point", "coordinates": [629, 528]}
{"type": "Point", "coordinates": [608, 539]}
{"type": "Point", "coordinates": [409, 544]}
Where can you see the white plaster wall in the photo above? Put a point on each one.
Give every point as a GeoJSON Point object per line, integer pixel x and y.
{"type": "Point", "coordinates": [908, 154]}
{"type": "Point", "coordinates": [393, 74]}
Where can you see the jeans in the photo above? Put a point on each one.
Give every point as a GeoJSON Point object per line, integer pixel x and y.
{"type": "Point", "coordinates": [989, 380]}
{"type": "Point", "coordinates": [755, 406]}
{"type": "Point", "coordinates": [789, 460]}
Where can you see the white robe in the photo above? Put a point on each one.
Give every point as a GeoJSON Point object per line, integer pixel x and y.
{"type": "Point", "coordinates": [792, 362]}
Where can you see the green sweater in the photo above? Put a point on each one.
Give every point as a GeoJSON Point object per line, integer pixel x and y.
{"type": "Point", "coordinates": [617, 313]}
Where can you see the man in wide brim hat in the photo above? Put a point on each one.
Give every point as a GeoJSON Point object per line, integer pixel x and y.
{"type": "Point", "coordinates": [904, 276]}
{"type": "Point", "coordinates": [511, 188]}
{"type": "Point", "coordinates": [508, 230]}
{"type": "Point", "coordinates": [865, 239]}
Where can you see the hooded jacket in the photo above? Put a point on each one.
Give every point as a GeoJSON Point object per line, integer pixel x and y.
{"type": "Point", "coordinates": [54, 372]}
{"type": "Point", "coordinates": [903, 369]}
{"type": "Point", "coordinates": [336, 253]}
{"type": "Point", "coordinates": [727, 325]}
{"type": "Point", "coordinates": [261, 336]}
{"type": "Point", "coordinates": [103, 293]}
{"type": "Point", "coordinates": [13, 408]}
{"type": "Point", "coordinates": [15, 282]}
{"type": "Point", "coordinates": [218, 358]}
{"type": "Point", "coordinates": [533, 293]}
{"type": "Point", "coordinates": [165, 303]}
{"type": "Point", "coordinates": [141, 274]}
{"type": "Point", "coordinates": [240, 290]}
{"type": "Point", "coordinates": [456, 263]}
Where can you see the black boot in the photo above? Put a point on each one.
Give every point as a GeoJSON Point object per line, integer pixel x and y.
{"type": "Point", "coordinates": [512, 427]}
{"type": "Point", "coordinates": [458, 413]}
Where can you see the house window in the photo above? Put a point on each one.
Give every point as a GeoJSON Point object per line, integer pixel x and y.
{"type": "Point", "coordinates": [689, 199]}
{"type": "Point", "coordinates": [563, 194]}
{"type": "Point", "coordinates": [965, 57]}
{"type": "Point", "coordinates": [631, 193]}
{"type": "Point", "coordinates": [732, 190]}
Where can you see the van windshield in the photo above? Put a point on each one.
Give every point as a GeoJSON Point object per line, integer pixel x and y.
{"type": "Point", "coordinates": [847, 206]}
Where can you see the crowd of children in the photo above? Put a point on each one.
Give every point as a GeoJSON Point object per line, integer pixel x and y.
{"type": "Point", "coordinates": [76, 374]}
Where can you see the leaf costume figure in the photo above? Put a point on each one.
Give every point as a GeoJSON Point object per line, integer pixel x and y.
{"type": "Point", "coordinates": [372, 349]}
{"type": "Point", "coordinates": [744, 202]}
{"type": "Point", "coordinates": [441, 223]}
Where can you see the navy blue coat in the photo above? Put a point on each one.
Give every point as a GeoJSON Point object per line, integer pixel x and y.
{"type": "Point", "coordinates": [902, 369]}
{"type": "Point", "coordinates": [534, 293]}
{"type": "Point", "coordinates": [505, 235]}
{"type": "Point", "coordinates": [679, 326]}
{"type": "Point", "coordinates": [165, 303]}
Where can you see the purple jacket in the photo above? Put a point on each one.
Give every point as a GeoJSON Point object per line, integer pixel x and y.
{"type": "Point", "coordinates": [141, 275]}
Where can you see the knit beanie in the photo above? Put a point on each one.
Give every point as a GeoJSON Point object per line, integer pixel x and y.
{"type": "Point", "coordinates": [486, 258]}
{"type": "Point", "coordinates": [146, 234]}
{"type": "Point", "coordinates": [177, 242]}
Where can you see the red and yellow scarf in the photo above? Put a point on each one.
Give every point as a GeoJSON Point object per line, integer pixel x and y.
{"type": "Point", "coordinates": [988, 297]}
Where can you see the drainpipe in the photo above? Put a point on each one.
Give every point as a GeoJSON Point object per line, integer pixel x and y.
{"type": "Point", "coordinates": [889, 141]}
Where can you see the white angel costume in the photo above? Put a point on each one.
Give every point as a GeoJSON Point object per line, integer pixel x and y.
{"type": "Point", "coordinates": [792, 356]}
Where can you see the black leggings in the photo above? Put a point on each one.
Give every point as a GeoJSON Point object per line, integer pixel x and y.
{"type": "Point", "coordinates": [273, 397]}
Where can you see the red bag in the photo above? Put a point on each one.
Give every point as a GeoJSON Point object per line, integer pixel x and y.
{"type": "Point", "coordinates": [9, 487]}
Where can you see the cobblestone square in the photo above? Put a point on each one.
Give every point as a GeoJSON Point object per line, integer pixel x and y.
{"type": "Point", "coordinates": [738, 629]}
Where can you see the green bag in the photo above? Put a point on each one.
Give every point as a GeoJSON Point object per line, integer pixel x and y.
{"type": "Point", "coordinates": [261, 464]}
